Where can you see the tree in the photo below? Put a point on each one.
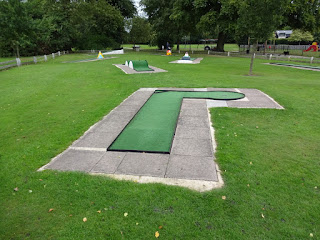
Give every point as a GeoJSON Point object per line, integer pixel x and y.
{"type": "Point", "coordinates": [170, 19]}
{"type": "Point", "coordinates": [14, 25]}
{"type": "Point", "coordinates": [219, 17]}
{"type": "Point", "coordinates": [299, 35]}
{"type": "Point", "coordinates": [140, 30]}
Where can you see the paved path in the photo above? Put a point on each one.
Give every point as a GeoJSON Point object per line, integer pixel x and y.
{"type": "Point", "coordinates": [191, 161]}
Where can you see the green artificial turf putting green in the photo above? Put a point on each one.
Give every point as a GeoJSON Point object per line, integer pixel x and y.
{"type": "Point", "coordinates": [296, 65]}
{"type": "Point", "coordinates": [153, 127]}
{"type": "Point", "coordinates": [141, 65]}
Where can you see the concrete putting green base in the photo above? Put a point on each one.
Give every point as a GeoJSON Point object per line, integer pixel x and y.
{"type": "Point", "coordinates": [191, 160]}
{"type": "Point", "coordinates": [128, 70]}
{"type": "Point", "coordinates": [195, 61]}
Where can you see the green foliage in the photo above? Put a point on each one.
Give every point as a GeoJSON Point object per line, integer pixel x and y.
{"type": "Point", "coordinates": [15, 25]}
{"type": "Point", "coordinates": [299, 35]}
{"type": "Point", "coordinates": [45, 26]}
{"type": "Point", "coordinates": [140, 31]}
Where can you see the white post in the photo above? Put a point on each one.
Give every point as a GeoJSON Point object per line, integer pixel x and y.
{"type": "Point", "coordinates": [289, 58]}
{"type": "Point", "coordinates": [18, 62]}
{"type": "Point", "coordinates": [64, 52]}
{"type": "Point", "coordinates": [270, 57]}
{"type": "Point", "coordinates": [208, 52]}
{"type": "Point", "coordinates": [53, 55]}
{"type": "Point", "coordinates": [254, 55]}
{"type": "Point", "coordinates": [45, 58]}
{"type": "Point", "coordinates": [192, 51]}
{"type": "Point", "coordinates": [228, 54]}
{"type": "Point", "coordinates": [179, 50]}
{"type": "Point", "coordinates": [59, 53]}
{"type": "Point", "coordinates": [311, 60]}
{"type": "Point", "coordinates": [35, 60]}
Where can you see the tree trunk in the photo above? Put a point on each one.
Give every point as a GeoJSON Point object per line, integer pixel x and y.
{"type": "Point", "coordinates": [248, 44]}
{"type": "Point", "coordinates": [251, 64]}
{"type": "Point", "coordinates": [178, 45]}
{"type": "Point", "coordinates": [18, 51]}
{"type": "Point", "coordinates": [265, 47]}
{"type": "Point", "coordinates": [220, 44]}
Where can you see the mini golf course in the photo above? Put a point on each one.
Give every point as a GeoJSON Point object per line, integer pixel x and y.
{"type": "Point", "coordinates": [297, 66]}
{"type": "Point", "coordinates": [153, 127]}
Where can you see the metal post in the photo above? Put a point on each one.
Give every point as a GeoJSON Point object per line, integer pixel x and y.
{"type": "Point", "coordinates": [18, 62]}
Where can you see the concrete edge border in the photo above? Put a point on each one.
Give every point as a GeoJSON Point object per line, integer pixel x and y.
{"type": "Point", "coordinates": [302, 68]}
{"type": "Point", "coordinates": [197, 185]}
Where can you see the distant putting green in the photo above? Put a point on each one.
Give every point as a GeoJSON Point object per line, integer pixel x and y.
{"type": "Point", "coordinates": [153, 127]}
{"type": "Point", "coordinates": [296, 65]}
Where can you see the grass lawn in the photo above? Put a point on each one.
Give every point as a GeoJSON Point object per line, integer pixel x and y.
{"type": "Point", "coordinates": [269, 158]}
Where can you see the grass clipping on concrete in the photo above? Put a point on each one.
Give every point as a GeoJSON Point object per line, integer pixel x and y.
{"type": "Point", "coordinates": [153, 127]}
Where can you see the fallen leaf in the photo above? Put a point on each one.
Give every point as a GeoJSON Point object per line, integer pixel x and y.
{"type": "Point", "coordinates": [224, 197]}
{"type": "Point", "coordinates": [157, 234]}
{"type": "Point", "coordinates": [99, 211]}
{"type": "Point", "coordinates": [257, 127]}
{"type": "Point", "coordinates": [16, 189]}
{"type": "Point", "coordinates": [160, 227]}
{"type": "Point", "coordinates": [262, 215]}
{"type": "Point", "coordinates": [125, 214]}
{"type": "Point", "coordinates": [40, 179]}
{"type": "Point", "coordinates": [84, 219]}
{"type": "Point", "coordinates": [50, 210]}
{"type": "Point", "coordinates": [248, 185]}
{"type": "Point", "coordinates": [70, 215]}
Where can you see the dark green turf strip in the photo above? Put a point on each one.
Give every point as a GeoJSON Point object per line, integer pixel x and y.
{"type": "Point", "coordinates": [141, 65]}
{"type": "Point", "coordinates": [153, 127]}
{"type": "Point", "coordinates": [296, 65]}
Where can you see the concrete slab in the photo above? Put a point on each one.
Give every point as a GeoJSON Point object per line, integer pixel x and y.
{"type": "Point", "coordinates": [192, 132]}
{"type": "Point", "coordinates": [215, 103]}
{"type": "Point", "coordinates": [96, 140]}
{"type": "Point", "coordinates": [192, 147]}
{"type": "Point", "coordinates": [195, 61]}
{"type": "Point", "coordinates": [144, 164]}
{"type": "Point", "coordinates": [128, 70]}
{"type": "Point", "coordinates": [109, 162]}
{"type": "Point", "coordinates": [194, 112]}
{"type": "Point", "coordinates": [191, 167]}
{"type": "Point", "coordinates": [75, 160]}
{"type": "Point", "coordinates": [192, 121]}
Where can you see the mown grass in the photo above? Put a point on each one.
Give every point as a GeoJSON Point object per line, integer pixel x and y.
{"type": "Point", "coordinates": [269, 158]}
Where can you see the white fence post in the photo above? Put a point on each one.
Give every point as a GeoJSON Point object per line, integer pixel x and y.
{"type": "Point", "coordinates": [228, 54]}
{"type": "Point", "coordinates": [35, 60]}
{"type": "Point", "coordinates": [208, 52]}
{"type": "Point", "coordinates": [59, 53]}
{"type": "Point", "coordinates": [18, 62]}
{"type": "Point", "coordinates": [311, 60]}
{"type": "Point", "coordinates": [45, 58]}
{"type": "Point", "coordinates": [53, 55]}
{"type": "Point", "coordinates": [289, 58]}
{"type": "Point", "coordinates": [254, 55]}
{"type": "Point", "coordinates": [270, 57]}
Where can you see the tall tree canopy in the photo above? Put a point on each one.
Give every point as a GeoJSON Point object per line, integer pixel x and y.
{"type": "Point", "coordinates": [44, 26]}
